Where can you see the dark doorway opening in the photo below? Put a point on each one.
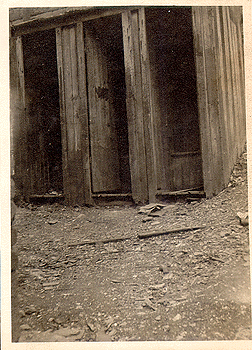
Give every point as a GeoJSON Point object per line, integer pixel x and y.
{"type": "Point", "coordinates": [173, 72]}
{"type": "Point", "coordinates": [43, 112]}
{"type": "Point", "coordinates": [107, 106]}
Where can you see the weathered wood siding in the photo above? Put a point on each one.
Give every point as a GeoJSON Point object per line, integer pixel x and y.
{"type": "Point", "coordinates": [18, 117]}
{"type": "Point", "coordinates": [156, 109]}
{"type": "Point", "coordinates": [135, 113]}
{"type": "Point", "coordinates": [221, 93]}
{"type": "Point", "coordinates": [74, 114]}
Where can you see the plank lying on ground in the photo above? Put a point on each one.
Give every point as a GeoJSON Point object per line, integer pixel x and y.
{"type": "Point", "coordinates": [140, 235]}
{"type": "Point", "coordinates": [105, 240]}
{"type": "Point", "coordinates": [164, 232]}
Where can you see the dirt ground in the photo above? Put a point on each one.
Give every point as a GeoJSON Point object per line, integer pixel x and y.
{"type": "Point", "coordinates": [186, 285]}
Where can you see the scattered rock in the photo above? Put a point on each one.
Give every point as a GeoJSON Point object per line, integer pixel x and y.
{"type": "Point", "coordinates": [147, 219]}
{"type": "Point", "coordinates": [116, 281]}
{"type": "Point", "coordinates": [108, 322]}
{"type": "Point", "coordinates": [91, 326]}
{"type": "Point", "coordinates": [25, 327]}
{"type": "Point", "coordinates": [158, 318]}
{"type": "Point", "coordinates": [157, 286]}
{"type": "Point", "coordinates": [21, 313]}
{"type": "Point", "coordinates": [150, 208]}
{"type": "Point", "coordinates": [50, 284]}
{"type": "Point", "coordinates": [30, 310]}
{"type": "Point", "coordinates": [168, 276]}
{"type": "Point", "coordinates": [66, 332]}
{"type": "Point", "coordinates": [244, 219]}
{"type": "Point", "coordinates": [164, 268]}
{"type": "Point", "coordinates": [177, 318]}
{"type": "Point", "coordinates": [60, 320]}
{"type": "Point", "coordinates": [181, 336]}
{"type": "Point", "coordinates": [52, 222]}
{"type": "Point", "coordinates": [148, 303]}
{"type": "Point", "coordinates": [166, 328]}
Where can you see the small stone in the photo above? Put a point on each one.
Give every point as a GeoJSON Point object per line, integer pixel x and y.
{"type": "Point", "coordinates": [181, 336]}
{"type": "Point", "coordinates": [50, 284]}
{"type": "Point", "coordinates": [25, 327]}
{"type": "Point", "coordinates": [91, 326]}
{"type": "Point", "coordinates": [166, 328]}
{"type": "Point", "coordinates": [52, 222]}
{"type": "Point", "coordinates": [59, 320]}
{"type": "Point", "coordinates": [177, 318]}
{"type": "Point", "coordinates": [158, 318]}
{"type": "Point", "coordinates": [157, 286]}
{"type": "Point", "coordinates": [66, 332]}
{"type": "Point", "coordinates": [30, 310]}
{"type": "Point", "coordinates": [109, 321]}
{"type": "Point", "coordinates": [21, 313]}
{"type": "Point", "coordinates": [147, 219]}
{"type": "Point", "coordinates": [164, 268]}
{"type": "Point", "coordinates": [148, 303]}
{"type": "Point", "coordinates": [244, 219]}
{"type": "Point", "coordinates": [51, 319]}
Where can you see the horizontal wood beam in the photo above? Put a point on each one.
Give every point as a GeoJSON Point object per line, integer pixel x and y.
{"type": "Point", "coordinates": [54, 19]}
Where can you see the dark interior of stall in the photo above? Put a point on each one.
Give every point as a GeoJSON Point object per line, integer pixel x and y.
{"type": "Point", "coordinates": [43, 112]}
{"type": "Point", "coordinates": [174, 97]}
{"type": "Point", "coordinates": [170, 38]}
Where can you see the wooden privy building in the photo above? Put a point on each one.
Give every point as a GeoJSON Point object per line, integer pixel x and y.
{"type": "Point", "coordinates": [125, 100]}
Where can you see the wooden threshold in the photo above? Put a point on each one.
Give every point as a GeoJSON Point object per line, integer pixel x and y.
{"type": "Point", "coordinates": [104, 195]}
{"type": "Point", "coordinates": [46, 198]}
{"type": "Point", "coordinates": [190, 191]}
{"type": "Point", "coordinates": [184, 154]}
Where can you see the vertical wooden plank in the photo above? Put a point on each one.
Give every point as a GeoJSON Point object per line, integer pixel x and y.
{"type": "Point", "coordinates": [234, 83]}
{"type": "Point", "coordinates": [208, 100]}
{"type": "Point", "coordinates": [228, 89]}
{"type": "Point", "coordinates": [62, 98]}
{"type": "Point", "coordinates": [21, 141]}
{"type": "Point", "coordinates": [70, 108]}
{"type": "Point", "coordinates": [83, 114]}
{"type": "Point", "coordinates": [232, 130]}
{"type": "Point", "coordinates": [240, 120]}
{"type": "Point", "coordinates": [206, 150]}
{"type": "Point", "coordinates": [242, 73]}
{"type": "Point", "coordinates": [222, 92]}
{"type": "Point", "coordinates": [137, 154]}
{"type": "Point", "coordinates": [213, 100]}
{"type": "Point", "coordinates": [147, 108]}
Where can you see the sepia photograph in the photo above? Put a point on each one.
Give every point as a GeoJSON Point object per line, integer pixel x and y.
{"type": "Point", "coordinates": [128, 174]}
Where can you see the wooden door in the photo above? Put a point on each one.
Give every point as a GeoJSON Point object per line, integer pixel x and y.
{"type": "Point", "coordinates": [74, 115]}
{"type": "Point", "coordinates": [105, 166]}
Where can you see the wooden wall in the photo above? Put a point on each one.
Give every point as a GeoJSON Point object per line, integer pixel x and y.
{"type": "Point", "coordinates": [18, 118]}
{"type": "Point", "coordinates": [218, 50]}
{"type": "Point", "coordinates": [221, 95]}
